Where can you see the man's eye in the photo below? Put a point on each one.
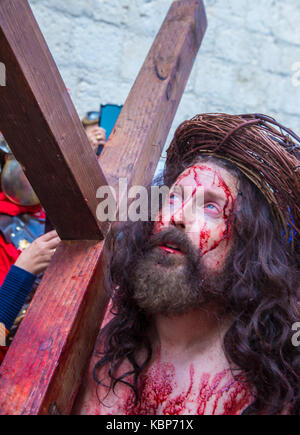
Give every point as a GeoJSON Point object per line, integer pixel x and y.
{"type": "Point", "coordinates": [212, 208]}
{"type": "Point", "coordinates": [174, 198]}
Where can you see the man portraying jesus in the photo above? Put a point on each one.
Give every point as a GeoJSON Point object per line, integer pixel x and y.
{"type": "Point", "coordinates": [202, 304]}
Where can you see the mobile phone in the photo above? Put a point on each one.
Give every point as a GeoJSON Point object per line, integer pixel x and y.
{"type": "Point", "coordinates": [109, 114]}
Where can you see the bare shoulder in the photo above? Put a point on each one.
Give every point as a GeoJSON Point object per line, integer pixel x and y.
{"type": "Point", "coordinates": [94, 398]}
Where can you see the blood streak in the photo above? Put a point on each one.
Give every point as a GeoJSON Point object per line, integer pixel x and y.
{"type": "Point", "coordinates": [238, 399]}
{"type": "Point", "coordinates": [229, 399]}
{"type": "Point", "coordinates": [155, 388]}
{"type": "Point", "coordinates": [203, 240]}
{"type": "Point", "coordinates": [217, 395]}
{"type": "Point", "coordinates": [225, 228]}
{"type": "Point", "coordinates": [176, 406]}
{"type": "Point", "coordinates": [159, 224]}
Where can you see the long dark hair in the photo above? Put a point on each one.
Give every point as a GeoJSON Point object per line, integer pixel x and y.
{"type": "Point", "coordinates": [260, 295]}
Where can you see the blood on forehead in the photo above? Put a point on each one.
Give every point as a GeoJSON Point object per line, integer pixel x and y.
{"type": "Point", "coordinates": [198, 173]}
{"type": "Point", "coordinates": [195, 173]}
{"type": "Point", "coordinates": [209, 179]}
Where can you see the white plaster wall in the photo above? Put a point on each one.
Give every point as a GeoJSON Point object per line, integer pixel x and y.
{"type": "Point", "coordinates": [244, 65]}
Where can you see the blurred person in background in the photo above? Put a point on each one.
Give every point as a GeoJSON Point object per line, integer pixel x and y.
{"type": "Point", "coordinates": [96, 135]}
{"type": "Point", "coordinates": [25, 251]}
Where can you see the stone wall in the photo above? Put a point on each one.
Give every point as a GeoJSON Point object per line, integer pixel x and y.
{"type": "Point", "coordinates": [248, 62]}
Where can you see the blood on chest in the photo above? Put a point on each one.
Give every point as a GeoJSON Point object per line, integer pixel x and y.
{"type": "Point", "coordinates": [161, 394]}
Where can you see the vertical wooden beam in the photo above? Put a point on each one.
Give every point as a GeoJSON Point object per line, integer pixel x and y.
{"type": "Point", "coordinates": [44, 363]}
{"type": "Point", "coordinates": [139, 135]}
{"type": "Point", "coordinates": [41, 374]}
{"type": "Point", "coordinates": [41, 125]}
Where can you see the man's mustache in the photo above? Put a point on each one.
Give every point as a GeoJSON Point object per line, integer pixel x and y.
{"type": "Point", "coordinates": [174, 237]}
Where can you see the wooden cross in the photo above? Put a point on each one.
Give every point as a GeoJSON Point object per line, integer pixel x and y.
{"type": "Point", "coordinates": [42, 370]}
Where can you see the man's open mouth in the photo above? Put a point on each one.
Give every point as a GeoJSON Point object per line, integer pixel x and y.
{"type": "Point", "coordinates": [171, 248]}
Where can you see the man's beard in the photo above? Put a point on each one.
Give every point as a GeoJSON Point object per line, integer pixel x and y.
{"type": "Point", "coordinates": [173, 284]}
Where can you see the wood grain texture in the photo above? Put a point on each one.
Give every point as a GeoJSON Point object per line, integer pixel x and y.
{"type": "Point", "coordinates": [42, 371]}
{"type": "Point", "coordinates": [44, 364]}
{"type": "Point", "coordinates": [41, 125]}
{"type": "Point", "coordinates": [137, 140]}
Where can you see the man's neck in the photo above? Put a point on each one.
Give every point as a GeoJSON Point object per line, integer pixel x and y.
{"type": "Point", "coordinates": [195, 333]}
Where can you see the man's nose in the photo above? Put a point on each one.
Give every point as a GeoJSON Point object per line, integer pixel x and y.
{"type": "Point", "coordinates": [188, 216]}
{"type": "Point", "coordinates": [177, 220]}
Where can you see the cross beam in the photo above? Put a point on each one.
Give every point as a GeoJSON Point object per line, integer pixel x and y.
{"type": "Point", "coordinates": [42, 371]}
{"type": "Point", "coordinates": [40, 123]}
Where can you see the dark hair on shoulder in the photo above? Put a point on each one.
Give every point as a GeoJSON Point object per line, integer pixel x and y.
{"type": "Point", "coordinates": [261, 295]}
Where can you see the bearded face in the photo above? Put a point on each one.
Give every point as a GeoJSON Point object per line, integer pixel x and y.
{"type": "Point", "coordinates": [184, 263]}
{"type": "Point", "coordinates": [165, 283]}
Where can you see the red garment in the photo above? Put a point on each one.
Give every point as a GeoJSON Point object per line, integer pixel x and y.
{"type": "Point", "coordinates": [8, 256]}
{"type": "Point", "coordinates": [3, 351]}
{"type": "Point", "coordinates": [8, 252]}
{"type": "Point", "coordinates": [8, 207]}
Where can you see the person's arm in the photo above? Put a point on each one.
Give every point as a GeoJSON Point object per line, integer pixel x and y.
{"type": "Point", "coordinates": [21, 276]}
{"type": "Point", "coordinates": [13, 293]}
{"type": "Point", "coordinates": [96, 136]}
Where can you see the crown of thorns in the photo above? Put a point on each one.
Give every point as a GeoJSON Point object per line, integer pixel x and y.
{"type": "Point", "coordinates": [266, 152]}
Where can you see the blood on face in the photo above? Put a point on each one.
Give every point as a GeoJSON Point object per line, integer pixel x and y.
{"type": "Point", "coordinates": [218, 188]}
